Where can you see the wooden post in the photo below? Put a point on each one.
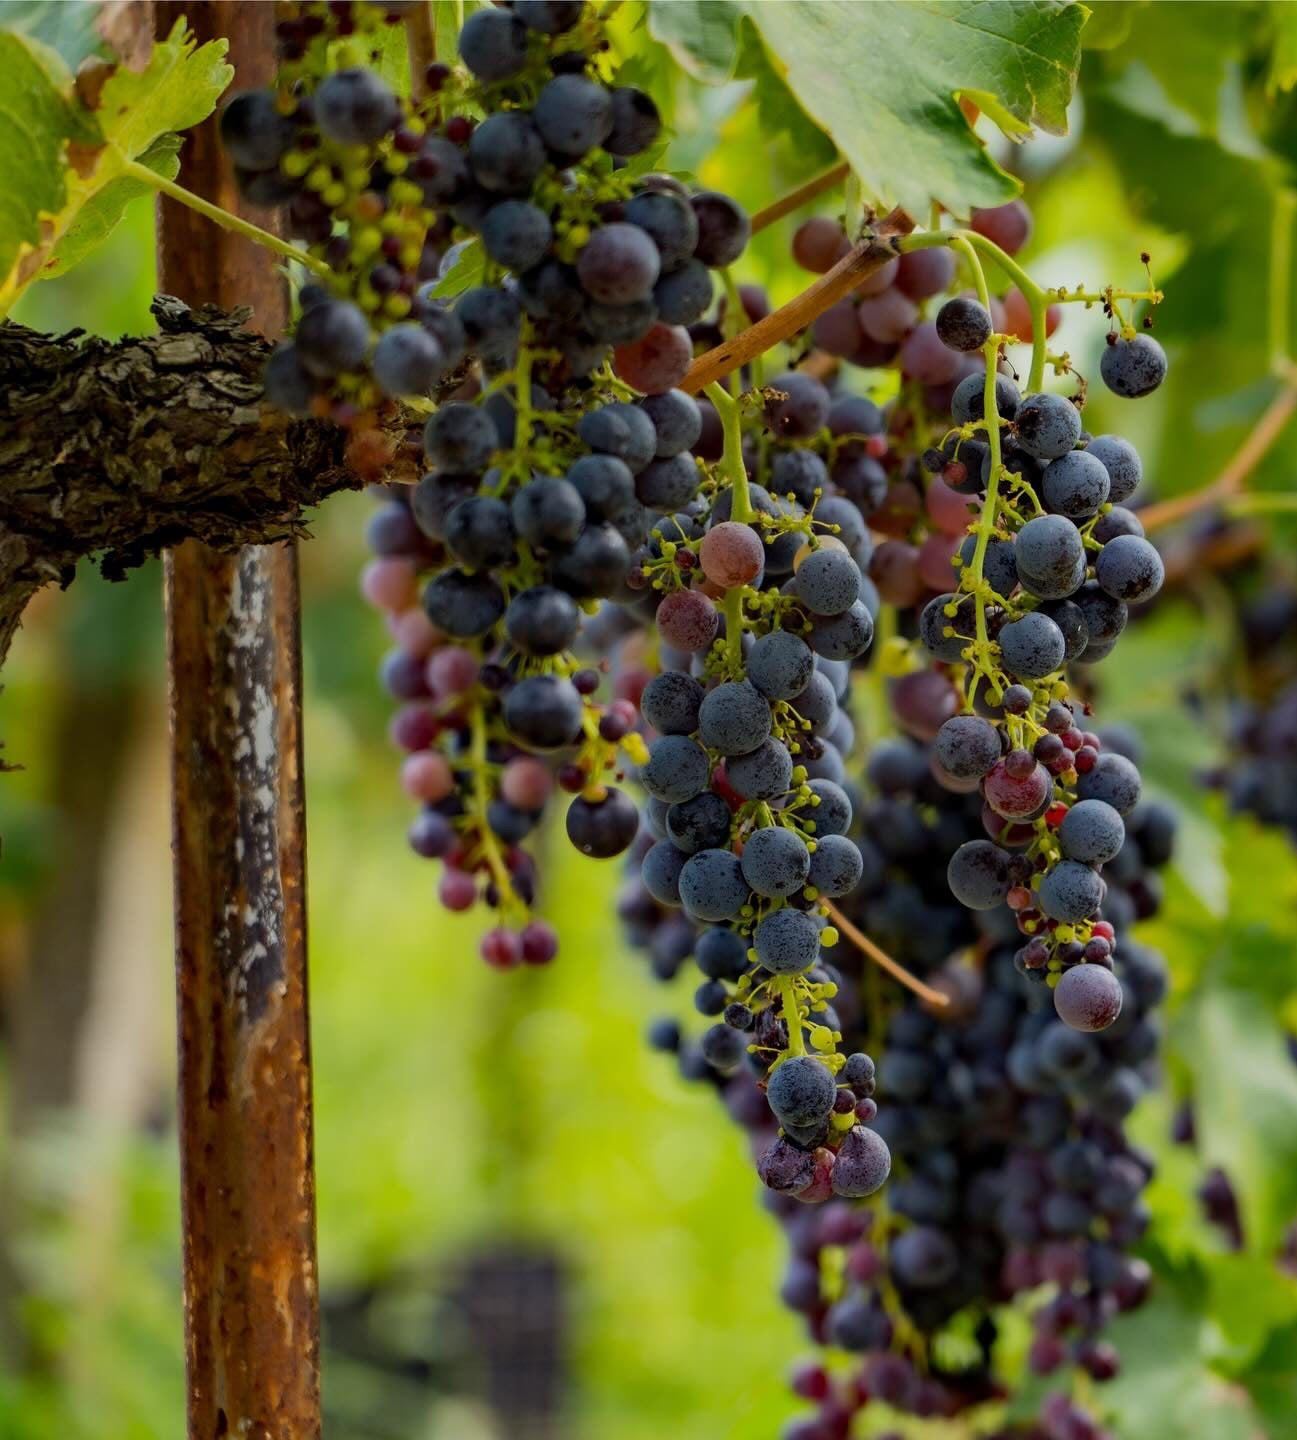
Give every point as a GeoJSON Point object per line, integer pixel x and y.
{"type": "Point", "coordinates": [233, 650]}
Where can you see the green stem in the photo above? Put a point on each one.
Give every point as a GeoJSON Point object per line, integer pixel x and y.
{"type": "Point", "coordinates": [732, 466]}
{"type": "Point", "coordinates": [1034, 294]}
{"type": "Point", "coordinates": [986, 521]}
{"type": "Point", "coordinates": [787, 988]}
{"type": "Point", "coordinates": [481, 801]}
{"type": "Point", "coordinates": [223, 218]}
{"type": "Point", "coordinates": [732, 609]}
{"type": "Point", "coordinates": [522, 402]}
{"type": "Point", "coordinates": [1281, 237]}
{"type": "Point", "coordinates": [1280, 501]}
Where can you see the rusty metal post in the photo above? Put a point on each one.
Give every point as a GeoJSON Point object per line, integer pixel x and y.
{"type": "Point", "coordinates": [233, 649]}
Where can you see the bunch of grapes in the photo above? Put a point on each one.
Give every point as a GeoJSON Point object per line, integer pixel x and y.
{"type": "Point", "coordinates": [546, 471]}
{"type": "Point", "coordinates": [757, 602]}
{"type": "Point", "coordinates": [1007, 488]}
{"type": "Point", "coordinates": [512, 168]}
{"type": "Point", "coordinates": [1013, 1176]}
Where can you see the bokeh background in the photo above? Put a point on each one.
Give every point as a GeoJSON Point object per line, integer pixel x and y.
{"type": "Point", "coordinates": [530, 1226]}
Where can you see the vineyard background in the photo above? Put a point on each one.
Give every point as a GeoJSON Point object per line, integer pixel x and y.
{"type": "Point", "coordinates": [663, 1295]}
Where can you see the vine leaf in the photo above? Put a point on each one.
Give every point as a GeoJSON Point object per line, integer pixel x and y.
{"type": "Point", "coordinates": [1282, 74]}
{"type": "Point", "coordinates": [62, 186]}
{"type": "Point", "coordinates": [96, 219]}
{"type": "Point", "coordinates": [468, 270]}
{"type": "Point", "coordinates": [37, 120]}
{"type": "Point", "coordinates": [885, 82]}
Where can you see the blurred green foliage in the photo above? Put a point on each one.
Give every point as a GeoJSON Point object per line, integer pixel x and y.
{"type": "Point", "coordinates": [455, 1107]}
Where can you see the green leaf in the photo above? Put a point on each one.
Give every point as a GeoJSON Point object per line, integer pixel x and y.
{"type": "Point", "coordinates": [884, 82]}
{"type": "Point", "coordinates": [389, 56]}
{"type": "Point", "coordinates": [1249, 1297]}
{"type": "Point", "coordinates": [1188, 48]}
{"type": "Point", "coordinates": [178, 88]}
{"type": "Point", "coordinates": [97, 219]}
{"type": "Point", "coordinates": [1109, 24]}
{"type": "Point", "coordinates": [68, 29]}
{"type": "Point", "coordinates": [778, 112]}
{"type": "Point", "coordinates": [1282, 74]}
{"type": "Point", "coordinates": [702, 35]}
{"type": "Point", "coordinates": [136, 113]}
{"type": "Point", "coordinates": [1272, 1381]}
{"type": "Point", "coordinates": [37, 119]}
{"type": "Point", "coordinates": [1165, 1387]}
{"type": "Point", "coordinates": [468, 270]}
{"type": "Point", "coordinates": [1246, 1097]}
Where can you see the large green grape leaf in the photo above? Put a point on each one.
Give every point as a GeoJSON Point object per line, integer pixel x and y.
{"type": "Point", "coordinates": [1165, 1386]}
{"type": "Point", "coordinates": [65, 174]}
{"type": "Point", "coordinates": [885, 82]}
{"type": "Point", "coordinates": [1272, 1381]}
{"type": "Point", "coordinates": [1246, 1096]}
{"type": "Point", "coordinates": [1282, 74]}
{"type": "Point", "coordinates": [37, 119]}
{"type": "Point", "coordinates": [96, 219]}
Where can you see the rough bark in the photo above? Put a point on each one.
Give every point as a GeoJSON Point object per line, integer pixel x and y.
{"type": "Point", "coordinates": [120, 450]}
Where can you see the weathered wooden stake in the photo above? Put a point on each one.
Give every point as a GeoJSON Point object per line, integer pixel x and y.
{"type": "Point", "coordinates": [233, 649]}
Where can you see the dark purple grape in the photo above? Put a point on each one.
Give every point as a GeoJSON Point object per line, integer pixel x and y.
{"type": "Point", "coordinates": [734, 718]}
{"type": "Point", "coordinates": [1121, 460]}
{"type": "Point", "coordinates": [963, 324]}
{"type": "Point", "coordinates": [763, 773]}
{"type": "Point", "coordinates": [542, 620]}
{"type": "Point", "coordinates": [516, 234]}
{"type": "Point", "coordinates": [837, 866]}
{"type": "Point", "coordinates": [723, 228]}
{"type": "Point", "coordinates": [1129, 569]}
{"type": "Point", "coordinates": [1091, 832]}
{"type": "Point", "coordinates": [603, 828]}
{"type": "Point", "coordinates": [685, 294]}
{"type": "Point", "coordinates": [1032, 647]}
{"type": "Point", "coordinates": [549, 17]}
{"type": "Point", "coordinates": [254, 131]}
{"type": "Point", "coordinates": [775, 862]}
{"type": "Point", "coordinates": [548, 511]}
{"type": "Point", "coordinates": [635, 122]}
{"type": "Point", "coordinates": [1075, 485]}
{"type": "Point", "coordinates": [332, 338]}
{"type": "Point", "coordinates": [1088, 997]}
{"type": "Point", "coordinates": [573, 115]}
{"type": "Point", "coordinates": [1047, 425]}
{"type": "Point", "coordinates": [490, 318]}
{"type": "Point", "coordinates": [354, 107]}
{"type": "Point", "coordinates": [505, 151]}
{"type": "Point", "coordinates": [1070, 891]}
{"type": "Point", "coordinates": [407, 361]}
{"type": "Point", "coordinates": [670, 220]}
{"type": "Point", "coordinates": [493, 44]}
{"type": "Point", "coordinates": [543, 712]}
{"type": "Point", "coordinates": [801, 1090]}
{"type": "Point", "coordinates": [1113, 779]}
{"type": "Point", "coordinates": [1050, 556]}
{"type": "Point", "coordinates": [712, 886]}
{"type": "Point", "coordinates": [1134, 367]}
{"type": "Point", "coordinates": [702, 823]}
{"type": "Point", "coordinates": [978, 874]}
{"type": "Point", "coordinates": [288, 387]}
{"type": "Point", "coordinates": [463, 605]}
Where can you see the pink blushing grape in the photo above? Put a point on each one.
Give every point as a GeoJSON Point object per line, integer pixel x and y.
{"type": "Point", "coordinates": [389, 583]}
{"type": "Point", "coordinates": [451, 671]}
{"type": "Point", "coordinates": [526, 783]}
{"type": "Point", "coordinates": [426, 776]}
